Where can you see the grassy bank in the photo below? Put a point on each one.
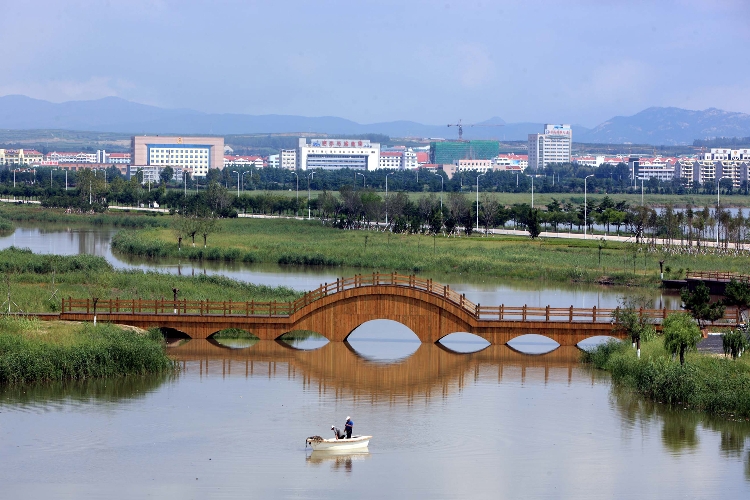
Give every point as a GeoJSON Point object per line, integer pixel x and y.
{"type": "Point", "coordinates": [33, 351]}
{"type": "Point", "coordinates": [294, 242]}
{"type": "Point", "coordinates": [706, 382]}
{"type": "Point", "coordinates": [37, 282]}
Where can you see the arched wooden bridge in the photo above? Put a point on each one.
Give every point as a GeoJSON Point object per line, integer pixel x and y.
{"type": "Point", "coordinates": [335, 310]}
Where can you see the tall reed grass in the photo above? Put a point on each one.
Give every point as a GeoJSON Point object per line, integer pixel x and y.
{"type": "Point", "coordinates": [92, 352]}
{"type": "Point", "coordinates": [709, 383]}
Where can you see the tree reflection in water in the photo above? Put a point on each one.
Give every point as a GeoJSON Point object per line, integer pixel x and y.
{"type": "Point", "coordinates": [680, 428]}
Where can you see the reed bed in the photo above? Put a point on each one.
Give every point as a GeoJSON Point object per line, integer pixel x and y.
{"type": "Point", "coordinates": [34, 213]}
{"type": "Point", "coordinates": [32, 353]}
{"type": "Point", "coordinates": [710, 383]}
{"type": "Point", "coordinates": [38, 282]}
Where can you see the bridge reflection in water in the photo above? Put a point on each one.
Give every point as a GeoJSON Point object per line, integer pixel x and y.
{"type": "Point", "coordinates": [337, 369]}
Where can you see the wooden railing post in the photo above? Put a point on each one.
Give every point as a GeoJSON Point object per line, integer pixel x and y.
{"type": "Point", "coordinates": [570, 318]}
{"type": "Point", "coordinates": [524, 312]}
{"type": "Point", "coordinates": [476, 311]}
{"type": "Point", "coordinates": [87, 306]}
{"type": "Point", "coordinates": [664, 313]}
{"type": "Point", "coordinates": [546, 314]}
{"type": "Point", "coordinates": [593, 313]}
{"type": "Point", "coordinates": [502, 306]}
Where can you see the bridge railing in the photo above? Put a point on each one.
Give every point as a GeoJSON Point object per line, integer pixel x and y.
{"type": "Point", "coordinates": [718, 276]}
{"type": "Point", "coordinates": [285, 309]}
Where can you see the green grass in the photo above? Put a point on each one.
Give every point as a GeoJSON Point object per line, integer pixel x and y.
{"type": "Point", "coordinates": [294, 242]}
{"type": "Point", "coordinates": [706, 382]}
{"type": "Point", "coordinates": [542, 199]}
{"type": "Point", "coordinates": [30, 352]}
{"type": "Point", "coordinates": [38, 282]}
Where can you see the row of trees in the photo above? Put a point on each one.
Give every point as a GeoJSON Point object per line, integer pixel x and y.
{"type": "Point", "coordinates": [559, 178]}
{"type": "Point", "coordinates": [682, 332]}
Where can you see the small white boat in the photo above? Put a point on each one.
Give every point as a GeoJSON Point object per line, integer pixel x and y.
{"type": "Point", "coordinates": [353, 443]}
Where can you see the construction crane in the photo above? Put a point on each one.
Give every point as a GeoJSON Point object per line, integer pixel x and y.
{"type": "Point", "coordinates": [462, 125]}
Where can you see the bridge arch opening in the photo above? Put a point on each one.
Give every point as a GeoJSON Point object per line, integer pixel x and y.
{"type": "Point", "coordinates": [303, 340]}
{"type": "Point", "coordinates": [234, 338]}
{"type": "Point", "coordinates": [595, 341]}
{"type": "Point", "coordinates": [463, 343]}
{"type": "Point", "coordinates": [533, 343]}
{"type": "Point", "coordinates": [172, 335]}
{"type": "Point", "coordinates": [383, 341]}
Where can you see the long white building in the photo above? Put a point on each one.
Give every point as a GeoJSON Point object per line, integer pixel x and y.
{"type": "Point", "coordinates": [552, 146]}
{"type": "Point", "coordinates": [331, 154]}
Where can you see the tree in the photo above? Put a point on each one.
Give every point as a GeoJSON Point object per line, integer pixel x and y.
{"type": "Point", "coordinates": [698, 303]}
{"type": "Point", "coordinates": [680, 334]}
{"type": "Point", "coordinates": [734, 342]}
{"type": "Point", "coordinates": [166, 174]}
{"type": "Point", "coordinates": [628, 319]}
{"type": "Point", "coordinates": [737, 294]}
{"type": "Point", "coordinates": [532, 223]}
{"type": "Point", "coordinates": [207, 225]}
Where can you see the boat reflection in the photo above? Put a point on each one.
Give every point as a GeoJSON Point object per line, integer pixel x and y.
{"type": "Point", "coordinates": [339, 460]}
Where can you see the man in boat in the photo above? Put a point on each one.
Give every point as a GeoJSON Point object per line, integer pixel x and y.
{"type": "Point", "coordinates": [349, 426]}
{"type": "Point", "coordinates": [337, 432]}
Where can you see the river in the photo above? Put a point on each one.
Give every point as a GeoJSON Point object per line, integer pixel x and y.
{"type": "Point", "coordinates": [232, 422]}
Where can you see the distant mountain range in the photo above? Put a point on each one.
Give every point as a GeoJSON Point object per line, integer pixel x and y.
{"type": "Point", "coordinates": [658, 126]}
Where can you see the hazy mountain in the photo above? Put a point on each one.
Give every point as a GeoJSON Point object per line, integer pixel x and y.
{"type": "Point", "coordinates": [112, 114]}
{"type": "Point", "coordinates": [669, 126]}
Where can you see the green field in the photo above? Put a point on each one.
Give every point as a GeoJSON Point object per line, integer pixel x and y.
{"type": "Point", "coordinates": [294, 242]}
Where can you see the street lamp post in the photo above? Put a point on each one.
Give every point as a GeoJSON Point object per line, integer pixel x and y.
{"type": "Point", "coordinates": [441, 192]}
{"type": "Point", "coordinates": [386, 198]}
{"type": "Point", "coordinates": [66, 179]}
{"type": "Point", "coordinates": [585, 206]}
{"type": "Point", "coordinates": [184, 178]}
{"type": "Point", "coordinates": [309, 176]}
{"type": "Point", "coordinates": [14, 176]}
{"type": "Point", "coordinates": [642, 179]}
{"type": "Point", "coordinates": [718, 192]}
{"type": "Point", "coordinates": [243, 179]}
{"type": "Point", "coordinates": [363, 178]}
{"type": "Point", "coordinates": [478, 176]}
{"type": "Point", "coordinates": [296, 209]}
{"type": "Point", "coordinates": [238, 182]}
{"type": "Point", "coordinates": [532, 192]}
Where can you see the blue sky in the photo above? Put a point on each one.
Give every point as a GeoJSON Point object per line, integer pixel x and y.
{"type": "Point", "coordinates": [433, 62]}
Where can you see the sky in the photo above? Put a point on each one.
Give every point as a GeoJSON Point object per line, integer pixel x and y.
{"type": "Point", "coordinates": [579, 62]}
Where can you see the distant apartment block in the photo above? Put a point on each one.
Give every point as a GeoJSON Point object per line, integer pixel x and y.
{"type": "Point", "coordinates": [550, 147]}
{"type": "Point", "coordinates": [243, 161]}
{"type": "Point", "coordinates": [17, 157]}
{"type": "Point", "coordinates": [392, 160]}
{"type": "Point", "coordinates": [332, 154]}
{"type": "Point", "coordinates": [193, 154]}
{"type": "Point", "coordinates": [511, 161]}
{"type": "Point", "coordinates": [273, 161]}
{"type": "Point", "coordinates": [288, 159]}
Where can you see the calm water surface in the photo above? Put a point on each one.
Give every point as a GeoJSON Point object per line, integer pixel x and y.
{"type": "Point", "coordinates": [491, 424]}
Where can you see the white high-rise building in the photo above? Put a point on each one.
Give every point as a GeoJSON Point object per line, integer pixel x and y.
{"type": "Point", "coordinates": [288, 159]}
{"type": "Point", "coordinates": [332, 154]}
{"type": "Point", "coordinates": [552, 146]}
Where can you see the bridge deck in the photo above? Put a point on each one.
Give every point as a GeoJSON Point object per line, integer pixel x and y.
{"type": "Point", "coordinates": [334, 310]}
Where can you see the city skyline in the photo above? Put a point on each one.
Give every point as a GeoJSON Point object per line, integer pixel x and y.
{"type": "Point", "coordinates": [581, 62]}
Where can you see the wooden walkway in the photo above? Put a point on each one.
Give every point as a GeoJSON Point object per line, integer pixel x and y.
{"type": "Point", "coordinates": [334, 310]}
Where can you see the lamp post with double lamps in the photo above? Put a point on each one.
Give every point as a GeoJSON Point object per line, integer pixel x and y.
{"type": "Point", "coordinates": [441, 191]}
{"type": "Point", "coordinates": [363, 178]}
{"type": "Point", "coordinates": [309, 177]}
{"type": "Point", "coordinates": [585, 206]}
{"type": "Point", "coordinates": [478, 176]}
{"type": "Point", "coordinates": [386, 197]}
{"type": "Point", "coordinates": [238, 182]}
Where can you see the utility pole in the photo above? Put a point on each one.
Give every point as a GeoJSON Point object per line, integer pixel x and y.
{"type": "Point", "coordinates": [310, 176]}
{"type": "Point", "coordinates": [478, 176]}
